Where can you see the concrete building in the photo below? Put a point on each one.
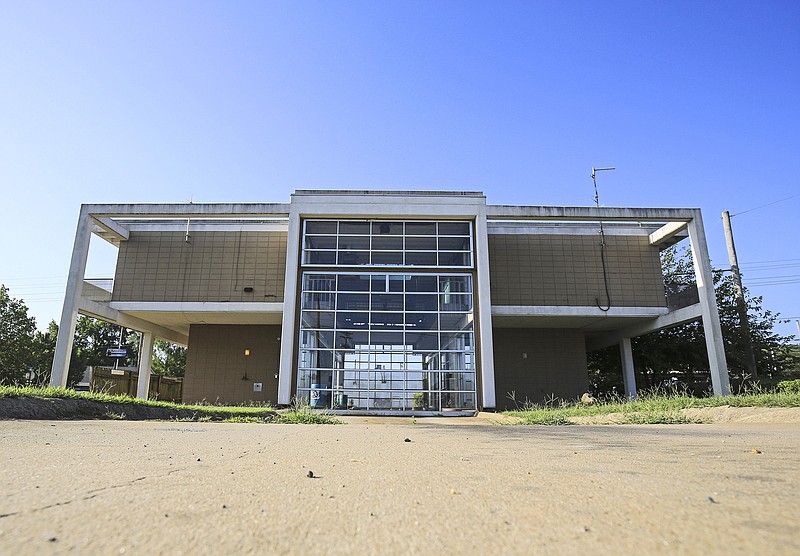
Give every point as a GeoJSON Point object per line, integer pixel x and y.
{"type": "Point", "coordinates": [387, 300]}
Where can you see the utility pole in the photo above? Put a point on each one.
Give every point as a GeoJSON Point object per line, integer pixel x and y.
{"type": "Point", "coordinates": [749, 356]}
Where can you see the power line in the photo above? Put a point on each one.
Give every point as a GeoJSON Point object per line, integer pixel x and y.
{"type": "Point", "coordinates": [772, 261]}
{"type": "Point", "coordinates": [767, 205]}
{"type": "Point", "coordinates": [26, 278]}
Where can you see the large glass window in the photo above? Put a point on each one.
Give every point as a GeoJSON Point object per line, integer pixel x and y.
{"type": "Point", "coordinates": [378, 243]}
{"type": "Point", "coordinates": [387, 341]}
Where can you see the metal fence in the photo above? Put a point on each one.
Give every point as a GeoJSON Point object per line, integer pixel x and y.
{"type": "Point", "coordinates": [680, 294]}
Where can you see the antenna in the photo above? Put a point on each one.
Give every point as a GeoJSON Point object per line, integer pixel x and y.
{"type": "Point", "coordinates": [602, 241]}
{"type": "Point", "coordinates": [189, 200]}
{"type": "Point", "coordinates": [594, 181]}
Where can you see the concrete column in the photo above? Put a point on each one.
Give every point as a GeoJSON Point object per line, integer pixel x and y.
{"type": "Point", "coordinates": [145, 360]}
{"type": "Point", "coordinates": [69, 311]}
{"type": "Point", "coordinates": [288, 324]}
{"type": "Point", "coordinates": [628, 376]}
{"type": "Point", "coordinates": [484, 305]}
{"type": "Point", "coordinates": [708, 307]}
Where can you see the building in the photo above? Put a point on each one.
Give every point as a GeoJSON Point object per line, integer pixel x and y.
{"type": "Point", "coordinates": [388, 300]}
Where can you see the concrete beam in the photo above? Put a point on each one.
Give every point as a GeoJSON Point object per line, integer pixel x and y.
{"type": "Point", "coordinates": [69, 312]}
{"type": "Point", "coordinates": [145, 360]}
{"type": "Point", "coordinates": [668, 320]}
{"type": "Point", "coordinates": [666, 232]}
{"type": "Point", "coordinates": [178, 210]}
{"type": "Point", "coordinates": [576, 311]}
{"type": "Point", "coordinates": [105, 312]}
{"type": "Point", "coordinates": [708, 306]}
{"type": "Point", "coordinates": [286, 368]}
{"type": "Point", "coordinates": [628, 374]}
{"type": "Point", "coordinates": [199, 306]}
{"type": "Point", "coordinates": [484, 306]}
{"type": "Point", "coordinates": [513, 212]}
{"type": "Point", "coordinates": [121, 232]}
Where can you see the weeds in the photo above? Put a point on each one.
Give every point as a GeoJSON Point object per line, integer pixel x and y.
{"type": "Point", "coordinates": [658, 406]}
{"type": "Point", "coordinates": [300, 412]}
{"type": "Point", "coordinates": [244, 419]}
{"type": "Point", "coordinates": [255, 412]}
{"type": "Point", "coordinates": [114, 416]}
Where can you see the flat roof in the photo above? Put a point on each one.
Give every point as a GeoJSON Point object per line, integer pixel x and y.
{"type": "Point", "coordinates": [384, 192]}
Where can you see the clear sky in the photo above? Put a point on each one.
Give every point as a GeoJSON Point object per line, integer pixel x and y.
{"type": "Point", "coordinates": [696, 103]}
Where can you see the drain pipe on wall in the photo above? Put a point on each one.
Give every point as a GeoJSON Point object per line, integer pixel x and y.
{"type": "Point", "coordinates": [602, 242]}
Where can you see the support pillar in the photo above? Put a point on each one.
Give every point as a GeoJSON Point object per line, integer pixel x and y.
{"type": "Point", "coordinates": [288, 325]}
{"type": "Point", "coordinates": [628, 376]}
{"type": "Point", "coordinates": [484, 305]}
{"type": "Point", "coordinates": [145, 360]}
{"type": "Point", "coordinates": [708, 307]}
{"type": "Point", "coordinates": [69, 312]}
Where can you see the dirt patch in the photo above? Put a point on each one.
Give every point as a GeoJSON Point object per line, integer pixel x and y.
{"type": "Point", "coordinates": [721, 414]}
{"type": "Point", "coordinates": [728, 414]}
{"type": "Point", "coordinates": [59, 409]}
{"type": "Point", "coordinates": [606, 419]}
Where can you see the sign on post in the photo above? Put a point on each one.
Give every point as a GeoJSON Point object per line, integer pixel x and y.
{"type": "Point", "coordinates": [118, 353]}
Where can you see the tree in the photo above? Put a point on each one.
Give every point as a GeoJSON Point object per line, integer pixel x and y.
{"type": "Point", "coordinates": [44, 348]}
{"type": "Point", "coordinates": [168, 358]}
{"type": "Point", "coordinates": [92, 338]}
{"type": "Point", "coordinates": [17, 334]}
{"type": "Point", "coordinates": [679, 354]}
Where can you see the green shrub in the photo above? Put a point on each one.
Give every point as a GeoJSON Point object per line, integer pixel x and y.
{"type": "Point", "coordinates": [789, 386]}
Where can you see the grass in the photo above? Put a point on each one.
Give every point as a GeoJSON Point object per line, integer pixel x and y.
{"type": "Point", "coordinates": [659, 407]}
{"type": "Point", "coordinates": [298, 413]}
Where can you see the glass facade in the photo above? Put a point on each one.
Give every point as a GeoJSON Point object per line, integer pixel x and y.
{"type": "Point", "coordinates": [381, 340]}
{"type": "Point", "coordinates": [414, 244]}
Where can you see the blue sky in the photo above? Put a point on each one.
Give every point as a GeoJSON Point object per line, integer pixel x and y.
{"type": "Point", "coordinates": [695, 103]}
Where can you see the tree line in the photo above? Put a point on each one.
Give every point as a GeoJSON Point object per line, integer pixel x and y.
{"type": "Point", "coordinates": [26, 354]}
{"type": "Point", "coordinates": [677, 357]}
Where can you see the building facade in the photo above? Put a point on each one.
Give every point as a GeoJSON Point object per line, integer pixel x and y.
{"type": "Point", "coordinates": [388, 301]}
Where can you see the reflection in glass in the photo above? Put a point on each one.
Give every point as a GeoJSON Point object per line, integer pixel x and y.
{"type": "Point", "coordinates": [421, 243]}
{"type": "Point", "coordinates": [386, 341]}
{"type": "Point", "coordinates": [321, 257]}
{"type": "Point", "coordinates": [387, 302]}
{"type": "Point", "coordinates": [421, 283]}
{"type": "Point", "coordinates": [414, 258]}
{"type": "Point", "coordinates": [360, 228]}
{"type": "Point", "coordinates": [387, 228]}
{"type": "Point", "coordinates": [387, 243]}
{"type": "Point", "coordinates": [352, 320]}
{"type": "Point", "coordinates": [353, 283]}
{"type": "Point", "coordinates": [321, 227]}
{"type": "Point", "coordinates": [454, 229]}
{"type": "Point", "coordinates": [422, 302]}
{"type": "Point", "coordinates": [352, 258]}
{"type": "Point", "coordinates": [422, 321]}
{"type": "Point", "coordinates": [387, 258]}
{"type": "Point", "coordinates": [456, 321]}
{"type": "Point", "coordinates": [320, 242]}
{"type": "Point", "coordinates": [421, 228]}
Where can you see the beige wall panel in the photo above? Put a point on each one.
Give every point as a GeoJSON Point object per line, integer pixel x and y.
{"type": "Point", "coordinates": [216, 363]}
{"type": "Point", "coordinates": [567, 270]}
{"type": "Point", "coordinates": [537, 364]}
{"type": "Point", "coordinates": [212, 266]}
